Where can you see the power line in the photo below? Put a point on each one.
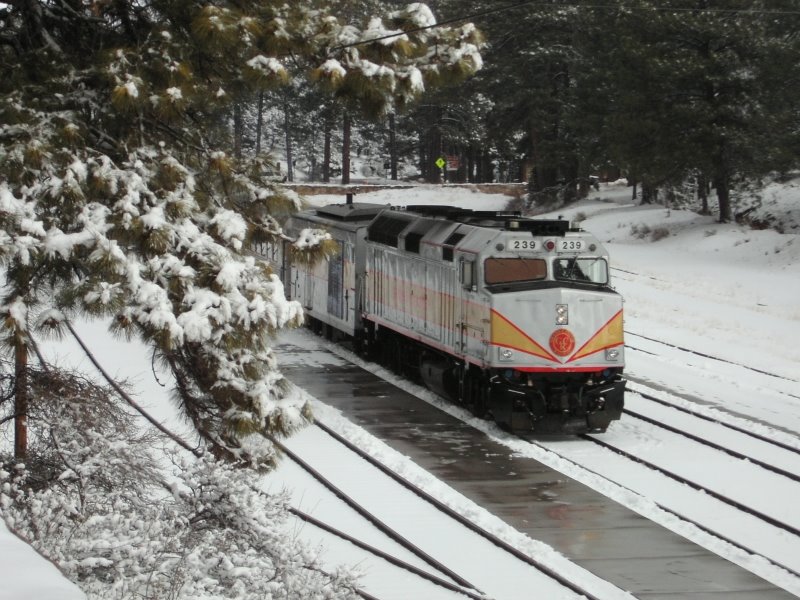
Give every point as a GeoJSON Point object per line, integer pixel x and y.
{"type": "Point", "coordinates": [539, 3]}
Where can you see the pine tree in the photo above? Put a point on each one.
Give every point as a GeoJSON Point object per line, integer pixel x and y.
{"type": "Point", "coordinates": [700, 89]}
{"type": "Point", "coordinates": [123, 197]}
{"type": "Point", "coordinates": [663, 91]}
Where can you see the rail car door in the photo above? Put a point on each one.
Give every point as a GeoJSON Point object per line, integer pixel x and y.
{"type": "Point", "coordinates": [375, 297]}
{"type": "Point", "coordinates": [308, 288]}
{"type": "Point", "coordinates": [471, 319]}
{"type": "Point", "coordinates": [336, 284]}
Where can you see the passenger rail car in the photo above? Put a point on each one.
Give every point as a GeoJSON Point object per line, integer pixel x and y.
{"type": "Point", "coordinates": [510, 316]}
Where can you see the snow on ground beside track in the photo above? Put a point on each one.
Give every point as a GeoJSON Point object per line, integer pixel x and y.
{"type": "Point", "coordinates": [721, 289]}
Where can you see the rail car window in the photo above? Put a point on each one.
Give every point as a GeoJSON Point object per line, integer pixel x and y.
{"type": "Point", "coordinates": [582, 270]}
{"type": "Point", "coordinates": [512, 270]}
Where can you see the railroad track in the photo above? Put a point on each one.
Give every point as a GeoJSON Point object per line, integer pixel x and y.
{"type": "Point", "coordinates": [629, 492]}
{"type": "Point", "coordinates": [758, 462]}
{"type": "Point", "coordinates": [446, 578]}
{"type": "Point", "coordinates": [700, 523]}
{"type": "Point", "coordinates": [791, 448]}
{"type": "Point", "coordinates": [468, 591]}
{"type": "Point", "coordinates": [711, 384]}
{"type": "Point", "coordinates": [710, 357]}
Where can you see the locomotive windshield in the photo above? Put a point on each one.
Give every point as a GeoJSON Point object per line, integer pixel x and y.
{"type": "Point", "coordinates": [513, 270]}
{"type": "Point", "coordinates": [581, 270]}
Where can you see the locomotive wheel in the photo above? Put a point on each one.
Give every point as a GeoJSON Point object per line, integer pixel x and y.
{"type": "Point", "coordinates": [398, 356]}
{"type": "Point", "coordinates": [391, 354]}
{"type": "Point", "coordinates": [477, 394]}
{"type": "Point", "coordinates": [386, 352]}
{"type": "Point", "coordinates": [314, 325]}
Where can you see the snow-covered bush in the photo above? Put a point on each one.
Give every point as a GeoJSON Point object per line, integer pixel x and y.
{"type": "Point", "coordinates": [100, 499]}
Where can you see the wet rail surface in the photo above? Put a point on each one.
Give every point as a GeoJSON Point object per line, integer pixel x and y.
{"type": "Point", "coordinates": [593, 531]}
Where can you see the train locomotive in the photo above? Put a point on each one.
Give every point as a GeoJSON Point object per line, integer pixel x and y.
{"type": "Point", "coordinates": [510, 316]}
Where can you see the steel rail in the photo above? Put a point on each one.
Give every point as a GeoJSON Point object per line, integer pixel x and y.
{"type": "Point", "coordinates": [500, 543]}
{"type": "Point", "coordinates": [695, 438]}
{"type": "Point", "coordinates": [689, 411]}
{"type": "Point", "coordinates": [680, 479]}
{"type": "Point", "coordinates": [717, 358]}
{"type": "Point", "coordinates": [384, 555]}
{"type": "Point", "coordinates": [380, 525]}
{"type": "Point", "coordinates": [700, 526]}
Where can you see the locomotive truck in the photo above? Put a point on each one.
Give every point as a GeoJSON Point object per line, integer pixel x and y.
{"type": "Point", "coordinates": [513, 317]}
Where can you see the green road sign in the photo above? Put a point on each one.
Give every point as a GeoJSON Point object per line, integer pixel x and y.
{"type": "Point", "coordinates": [440, 162]}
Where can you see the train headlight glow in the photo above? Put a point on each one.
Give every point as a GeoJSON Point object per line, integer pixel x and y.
{"type": "Point", "coordinates": [612, 353]}
{"type": "Point", "coordinates": [562, 314]}
{"type": "Point", "coordinates": [506, 354]}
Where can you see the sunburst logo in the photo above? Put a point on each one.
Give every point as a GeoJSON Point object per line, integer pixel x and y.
{"type": "Point", "coordinates": [562, 342]}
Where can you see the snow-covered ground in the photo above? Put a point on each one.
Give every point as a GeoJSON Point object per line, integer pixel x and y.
{"type": "Point", "coordinates": [722, 290]}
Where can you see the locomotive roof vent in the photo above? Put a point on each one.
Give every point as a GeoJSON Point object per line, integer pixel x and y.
{"type": "Point", "coordinates": [493, 219]}
{"type": "Point", "coordinates": [386, 228]}
{"type": "Point", "coordinates": [545, 226]}
{"type": "Point", "coordinates": [352, 211]}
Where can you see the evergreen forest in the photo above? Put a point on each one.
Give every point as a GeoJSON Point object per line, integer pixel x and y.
{"type": "Point", "coordinates": [678, 96]}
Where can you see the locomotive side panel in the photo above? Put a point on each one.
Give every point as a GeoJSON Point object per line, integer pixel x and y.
{"type": "Point", "coordinates": [412, 295]}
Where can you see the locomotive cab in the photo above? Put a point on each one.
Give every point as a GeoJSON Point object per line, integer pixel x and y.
{"type": "Point", "coordinates": [553, 347]}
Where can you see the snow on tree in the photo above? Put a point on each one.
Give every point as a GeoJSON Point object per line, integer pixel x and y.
{"type": "Point", "coordinates": [123, 197]}
{"type": "Point", "coordinates": [120, 521]}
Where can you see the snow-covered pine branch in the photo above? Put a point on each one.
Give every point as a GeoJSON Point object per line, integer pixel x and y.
{"type": "Point", "coordinates": [126, 198]}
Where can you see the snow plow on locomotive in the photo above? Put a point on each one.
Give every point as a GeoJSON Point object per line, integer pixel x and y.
{"type": "Point", "coordinates": [512, 317]}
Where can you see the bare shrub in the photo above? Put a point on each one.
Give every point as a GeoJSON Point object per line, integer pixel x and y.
{"type": "Point", "coordinates": [659, 233]}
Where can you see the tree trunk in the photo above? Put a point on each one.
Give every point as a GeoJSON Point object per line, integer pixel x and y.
{"type": "Point", "coordinates": [238, 130]}
{"type": "Point", "coordinates": [571, 177]}
{"type": "Point", "coordinates": [259, 122]}
{"type": "Point", "coordinates": [702, 193]}
{"type": "Point", "coordinates": [584, 180]}
{"type": "Point", "coordinates": [346, 149]}
{"type": "Point", "coordinates": [288, 136]}
{"type": "Point", "coordinates": [649, 193]}
{"type": "Point", "coordinates": [392, 147]}
{"type": "Point", "coordinates": [326, 149]}
{"type": "Point", "coordinates": [20, 401]}
{"type": "Point", "coordinates": [723, 198]}
{"type": "Point", "coordinates": [433, 147]}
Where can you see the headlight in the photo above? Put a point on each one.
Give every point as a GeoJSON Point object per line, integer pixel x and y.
{"type": "Point", "coordinates": [612, 353]}
{"type": "Point", "coordinates": [506, 354]}
{"type": "Point", "coordinates": [562, 314]}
